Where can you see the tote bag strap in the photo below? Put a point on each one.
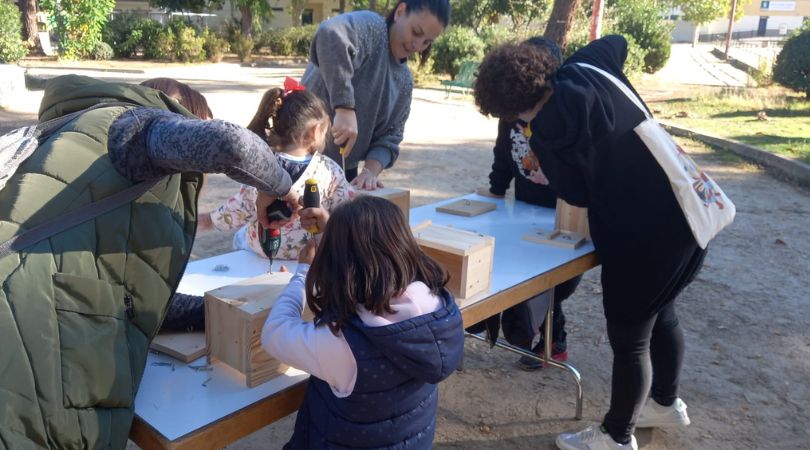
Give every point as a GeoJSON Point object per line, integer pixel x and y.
{"type": "Point", "coordinates": [622, 87]}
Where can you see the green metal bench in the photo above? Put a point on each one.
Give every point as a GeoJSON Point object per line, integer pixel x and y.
{"type": "Point", "coordinates": [463, 80]}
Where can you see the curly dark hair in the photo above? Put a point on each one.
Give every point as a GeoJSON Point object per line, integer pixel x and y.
{"type": "Point", "coordinates": [512, 78]}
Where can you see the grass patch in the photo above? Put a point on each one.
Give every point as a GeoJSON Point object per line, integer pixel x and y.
{"type": "Point", "coordinates": [784, 128]}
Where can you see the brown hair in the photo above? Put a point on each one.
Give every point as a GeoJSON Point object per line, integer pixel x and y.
{"type": "Point", "coordinates": [291, 116]}
{"type": "Point", "coordinates": [512, 78]}
{"type": "Point", "coordinates": [367, 256]}
{"type": "Point", "coordinates": [191, 99]}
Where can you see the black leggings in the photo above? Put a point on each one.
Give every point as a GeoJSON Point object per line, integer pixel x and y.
{"type": "Point", "coordinates": [644, 354]}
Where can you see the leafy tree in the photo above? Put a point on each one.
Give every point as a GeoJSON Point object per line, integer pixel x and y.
{"type": "Point", "coordinates": [381, 7]}
{"type": "Point", "coordinates": [644, 20]}
{"type": "Point", "coordinates": [29, 20]}
{"type": "Point", "coordinates": [194, 6]}
{"type": "Point", "coordinates": [78, 23]}
{"type": "Point", "coordinates": [792, 68]}
{"type": "Point", "coordinates": [561, 21]}
{"type": "Point", "coordinates": [251, 11]}
{"type": "Point", "coordinates": [481, 13]}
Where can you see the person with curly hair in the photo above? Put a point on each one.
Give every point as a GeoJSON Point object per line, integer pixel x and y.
{"type": "Point", "coordinates": [514, 160]}
{"type": "Point", "coordinates": [582, 133]}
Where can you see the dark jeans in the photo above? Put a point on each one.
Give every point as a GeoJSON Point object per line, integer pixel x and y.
{"type": "Point", "coordinates": [517, 328]}
{"type": "Point", "coordinates": [644, 354]}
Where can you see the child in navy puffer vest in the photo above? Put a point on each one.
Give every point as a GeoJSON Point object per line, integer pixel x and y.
{"type": "Point", "coordinates": [385, 332]}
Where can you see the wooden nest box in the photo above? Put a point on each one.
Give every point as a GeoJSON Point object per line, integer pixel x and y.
{"type": "Point", "coordinates": [234, 317]}
{"type": "Point", "coordinates": [466, 256]}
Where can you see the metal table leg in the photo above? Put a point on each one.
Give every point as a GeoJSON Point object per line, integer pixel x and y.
{"type": "Point", "coordinates": [546, 358]}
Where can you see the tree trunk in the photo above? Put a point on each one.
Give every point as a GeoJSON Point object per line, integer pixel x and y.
{"type": "Point", "coordinates": [296, 9]}
{"type": "Point", "coordinates": [246, 22]}
{"type": "Point", "coordinates": [342, 7]}
{"type": "Point", "coordinates": [559, 24]}
{"type": "Point", "coordinates": [29, 19]}
{"type": "Point", "coordinates": [696, 36]}
{"type": "Point", "coordinates": [372, 5]}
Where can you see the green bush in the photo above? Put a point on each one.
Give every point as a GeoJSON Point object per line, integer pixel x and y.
{"type": "Point", "coordinates": [158, 44]}
{"type": "Point", "coordinates": [215, 45]}
{"type": "Point", "coordinates": [494, 35]}
{"type": "Point", "coordinates": [102, 52]}
{"type": "Point", "coordinates": [301, 38]}
{"type": "Point", "coordinates": [242, 46]}
{"type": "Point", "coordinates": [12, 47]}
{"type": "Point", "coordinates": [78, 24]}
{"type": "Point", "coordinates": [792, 68]}
{"type": "Point", "coordinates": [278, 42]}
{"type": "Point", "coordinates": [292, 41]}
{"type": "Point", "coordinates": [643, 20]}
{"type": "Point", "coordinates": [634, 64]}
{"type": "Point", "coordinates": [454, 46]}
{"type": "Point", "coordinates": [125, 34]}
{"type": "Point", "coordinates": [188, 46]}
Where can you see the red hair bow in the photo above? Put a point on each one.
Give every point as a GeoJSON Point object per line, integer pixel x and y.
{"type": "Point", "coordinates": [291, 84]}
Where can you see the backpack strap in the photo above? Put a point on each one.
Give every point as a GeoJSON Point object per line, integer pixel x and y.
{"type": "Point", "coordinates": [46, 129]}
{"type": "Point", "coordinates": [78, 215]}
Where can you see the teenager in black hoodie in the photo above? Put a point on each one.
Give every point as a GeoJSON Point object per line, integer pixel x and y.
{"type": "Point", "coordinates": [582, 134]}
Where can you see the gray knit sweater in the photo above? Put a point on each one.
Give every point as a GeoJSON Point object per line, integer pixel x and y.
{"type": "Point", "coordinates": [351, 65]}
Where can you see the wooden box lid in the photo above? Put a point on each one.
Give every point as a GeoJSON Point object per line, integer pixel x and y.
{"type": "Point", "coordinates": [451, 240]}
{"type": "Point", "coordinates": [255, 294]}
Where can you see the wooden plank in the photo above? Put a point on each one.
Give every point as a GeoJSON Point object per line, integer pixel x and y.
{"type": "Point", "coordinates": [467, 208]}
{"type": "Point", "coordinates": [182, 345]}
{"type": "Point", "coordinates": [558, 238]}
{"type": "Point", "coordinates": [571, 218]}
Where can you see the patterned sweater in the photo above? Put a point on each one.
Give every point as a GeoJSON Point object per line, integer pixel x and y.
{"type": "Point", "coordinates": [240, 210]}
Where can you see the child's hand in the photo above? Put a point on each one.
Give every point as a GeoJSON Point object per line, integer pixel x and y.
{"type": "Point", "coordinates": [313, 216]}
{"type": "Point", "coordinates": [484, 191]}
{"type": "Point", "coordinates": [204, 222]}
{"type": "Point", "coordinates": [307, 254]}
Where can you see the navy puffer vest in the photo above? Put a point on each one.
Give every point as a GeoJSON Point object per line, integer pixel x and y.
{"type": "Point", "coordinates": [393, 405]}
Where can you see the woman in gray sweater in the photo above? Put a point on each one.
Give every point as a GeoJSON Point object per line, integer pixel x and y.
{"type": "Point", "coordinates": [358, 67]}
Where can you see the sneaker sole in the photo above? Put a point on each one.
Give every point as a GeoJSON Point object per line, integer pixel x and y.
{"type": "Point", "coordinates": [664, 424]}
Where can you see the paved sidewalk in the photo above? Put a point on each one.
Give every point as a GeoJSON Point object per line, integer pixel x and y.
{"type": "Point", "coordinates": [697, 66]}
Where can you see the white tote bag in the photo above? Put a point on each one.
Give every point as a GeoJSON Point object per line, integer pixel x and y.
{"type": "Point", "coordinates": [706, 207]}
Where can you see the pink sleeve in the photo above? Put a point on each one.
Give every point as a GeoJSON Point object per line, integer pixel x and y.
{"type": "Point", "coordinates": [300, 344]}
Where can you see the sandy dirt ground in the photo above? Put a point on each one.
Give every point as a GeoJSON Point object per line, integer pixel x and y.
{"type": "Point", "coordinates": [745, 317]}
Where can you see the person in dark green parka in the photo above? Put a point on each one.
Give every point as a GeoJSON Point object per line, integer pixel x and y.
{"type": "Point", "coordinates": [78, 310]}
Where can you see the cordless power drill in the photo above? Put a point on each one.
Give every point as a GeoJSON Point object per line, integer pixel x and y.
{"type": "Point", "coordinates": [271, 237]}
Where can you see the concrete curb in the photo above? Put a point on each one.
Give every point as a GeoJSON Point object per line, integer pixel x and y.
{"type": "Point", "coordinates": [789, 168]}
{"type": "Point", "coordinates": [94, 69]}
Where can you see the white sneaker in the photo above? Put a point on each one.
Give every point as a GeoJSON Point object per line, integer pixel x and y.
{"type": "Point", "coordinates": [655, 415]}
{"type": "Point", "coordinates": [592, 438]}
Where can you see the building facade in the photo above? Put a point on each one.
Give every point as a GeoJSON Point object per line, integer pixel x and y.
{"type": "Point", "coordinates": [763, 18]}
{"type": "Point", "coordinates": [313, 12]}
